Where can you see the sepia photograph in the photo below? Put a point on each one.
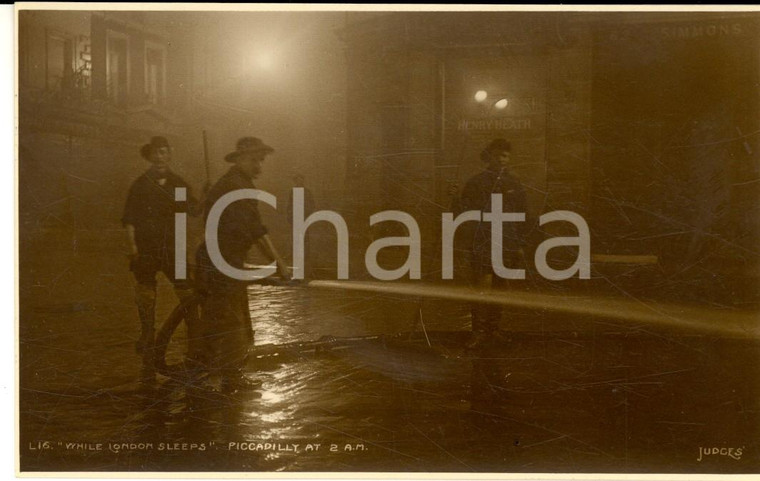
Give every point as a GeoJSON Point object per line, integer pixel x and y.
{"type": "Point", "coordinates": [372, 240]}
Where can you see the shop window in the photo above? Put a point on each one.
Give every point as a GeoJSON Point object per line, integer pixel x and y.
{"type": "Point", "coordinates": [117, 67]}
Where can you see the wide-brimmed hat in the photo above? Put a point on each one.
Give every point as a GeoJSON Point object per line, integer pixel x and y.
{"type": "Point", "coordinates": [155, 143]}
{"type": "Point", "coordinates": [499, 145]}
{"type": "Point", "coordinates": [496, 145]}
{"type": "Point", "coordinates": [246, 145]}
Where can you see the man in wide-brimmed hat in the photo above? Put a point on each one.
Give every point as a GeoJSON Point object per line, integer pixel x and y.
{"type": "Point", "coordinates": [226, 315]}
{"type": "Point", "coordinates": [494, 179]}
{"type": "Point", "coordinates": [149, 220]}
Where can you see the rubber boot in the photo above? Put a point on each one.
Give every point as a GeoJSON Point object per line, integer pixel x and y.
{"type": "Point", "coordinates": [196, 355]}
{"type": "Point", "coordinates": [146, 308]}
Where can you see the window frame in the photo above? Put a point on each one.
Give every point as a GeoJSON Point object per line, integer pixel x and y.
{"type": "Point", "coordinates": [161, 94]}
{"type": "Point", "coordinates": [68, 44]}
{"type": "Point", "coordinates": [115, 34]}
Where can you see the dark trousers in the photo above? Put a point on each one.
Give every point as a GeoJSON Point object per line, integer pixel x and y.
{"type": "Point", "coordinates": [227, 331]}
{"type": "Point", "coordinates": [145, 268]}
{"type": "Point", "coordinates": [226, 327]}
{"type": "Point", "coordinates": [486, 317]}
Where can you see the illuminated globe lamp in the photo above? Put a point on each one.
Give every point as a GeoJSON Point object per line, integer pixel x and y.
{"type": "Point", "coordinates": [501, 104]}
{"type": "Point", "coordinates": [481, 96]}
{"type": "Point", "coordinates": [265, 61]}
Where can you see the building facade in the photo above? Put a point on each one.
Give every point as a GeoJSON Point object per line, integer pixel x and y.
{"type": "Point", "coordinates": [94, 87]}
{"type": "Point", "coordinates": [645, 124]}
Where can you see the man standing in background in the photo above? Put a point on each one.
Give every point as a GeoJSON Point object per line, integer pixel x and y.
{"type": "Point", "coordinates": [495, 179]}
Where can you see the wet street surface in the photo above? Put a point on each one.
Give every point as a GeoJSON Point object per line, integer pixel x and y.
{"type": "Point", "coordinates": [554, 393]}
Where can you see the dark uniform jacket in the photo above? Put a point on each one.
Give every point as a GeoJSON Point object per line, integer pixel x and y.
{"type": "Point", "coordinates": [239, 228]}
{"type": "Point", "coordinates": [150, 208]}
{"type": "Point", "coordinates": [477, 196]}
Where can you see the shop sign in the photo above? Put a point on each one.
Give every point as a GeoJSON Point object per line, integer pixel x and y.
{"type": "Point", "coordinates": [503, 124]}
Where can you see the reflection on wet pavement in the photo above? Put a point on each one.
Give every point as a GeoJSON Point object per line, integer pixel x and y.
{"type": "Point", "coordinates": [547, 398]}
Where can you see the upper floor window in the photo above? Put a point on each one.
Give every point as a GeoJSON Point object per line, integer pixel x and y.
{"type": "Point", "coordinates": [58, 60]}
{"type": "Point", "coordinates": [82, 63]}
{"type": "Point", "coordinates": [117, 67]}
{"type": "Point", "coordinates": [155, 72]}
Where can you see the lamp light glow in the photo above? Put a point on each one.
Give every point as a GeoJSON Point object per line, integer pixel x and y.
{"type": "Point", "coordinates": [265, 61]}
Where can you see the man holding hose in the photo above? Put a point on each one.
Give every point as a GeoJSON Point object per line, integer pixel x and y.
{"type": "Point", "coordinates": [226, 321]}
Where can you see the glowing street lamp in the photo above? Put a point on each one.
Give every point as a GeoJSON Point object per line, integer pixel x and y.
{"type": "Point", "coordinates": [481, 95]}
{"type": "Point", "coordinates": [501, 104]}
{"type": "Point", "coordinates": [265, 61]}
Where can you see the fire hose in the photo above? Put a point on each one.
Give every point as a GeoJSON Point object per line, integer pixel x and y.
{"type": "Point", "coordinates": [734, 323]}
